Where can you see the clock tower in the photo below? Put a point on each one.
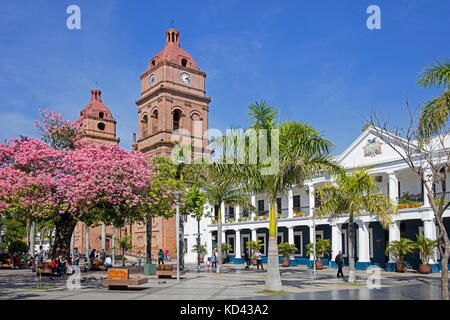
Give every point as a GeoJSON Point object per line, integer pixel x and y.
{"type": "Point", "coordinates": [172, 101]}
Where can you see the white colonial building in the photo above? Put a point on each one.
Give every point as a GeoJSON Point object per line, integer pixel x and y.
{"type": "Point", "coordinates": [295, 208]}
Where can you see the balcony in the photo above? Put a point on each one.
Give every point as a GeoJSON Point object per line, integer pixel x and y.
{"type": "Point", "coordinates": [408, 200]}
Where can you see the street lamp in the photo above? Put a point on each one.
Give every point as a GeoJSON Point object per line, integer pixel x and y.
{"type": "Point", "coordinates": [177, 194]}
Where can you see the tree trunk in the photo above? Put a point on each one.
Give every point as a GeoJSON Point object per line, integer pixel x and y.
{"type": "Point", "coordinates": [149, 227]}
{"type": "Point", "coordinates": [32, 238]}
{"type": "Point", "coordinates": [181, 243]}
{"type": "Point", "coordinates": [65, 225]}
{"type": "Point", "coordinates": [219, 239]}
{"type": "Point", "coordinates": [351, 252]}
{"type": "Point", "coordinates": [198, 243]}
{"type": "Point", "coordinates": [273, 279]}
{"type": "Point", "coordinates": [444, 275]}
{"type": "Point", "coordinates": [113, 243]}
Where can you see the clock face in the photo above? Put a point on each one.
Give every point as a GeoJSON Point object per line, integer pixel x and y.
{"type": "Point", "coordinates": [151, 80]}
{"type": "Point", "coordinates": [185, 78]}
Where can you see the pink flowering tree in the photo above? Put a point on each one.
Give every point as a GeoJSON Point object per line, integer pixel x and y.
{"type": "Point", "coordinates": [65, 180]}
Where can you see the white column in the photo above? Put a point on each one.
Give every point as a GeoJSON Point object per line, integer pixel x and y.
{"type": "Point", "coordinates": [224, 239]}
{"type": "Point", "coordinates": [312, 235]}
{"type": "Point", "coordinates": [103, 236]}
{"type": "Point", "coordinates": [254, 234]}
{"type": "Point", "coordinates": [393, 187]}
{"type": "Point", "coordinates": [290, 203]}
{"type": "Point", "coordinates": [237, 212]}
{"type": "Point", "coordinates": [429, 231]}
{"type": "Point", "coordinates": [237, 244]}
{"type": "Point", "coordinates": [222, 211]}
{"type": "Point", "coordinates": [363, 242]}
{"type": "Point", "coordinates": [428, 180]}
{"type": "Point", "coordinates": [394, 235]}
{"type": "Point", "coordinates": [336, 239]}
{"type": "Point", "coordinates": [290, 234]}
{"type": "Point", "coordinates": [209, 243]}
{"type": "Point", "coordinates": [311, 199]}
{"type": "Point", "coordinates": [253, 200]}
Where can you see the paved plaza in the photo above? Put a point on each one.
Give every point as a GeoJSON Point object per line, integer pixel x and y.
{"type": "Point", "coordinates": [234, 283]}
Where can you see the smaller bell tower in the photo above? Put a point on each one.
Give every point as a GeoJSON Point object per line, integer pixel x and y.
{"type": "Point", "coordinates": [98, 122]}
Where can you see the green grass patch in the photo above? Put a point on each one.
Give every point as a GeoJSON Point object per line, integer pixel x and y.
{"type": "Point", "coordinates": [42, 288]}
{"type": "Point", "coordinates": [351, 284]}
{"type": "Point", "coordinates": [272, 292]}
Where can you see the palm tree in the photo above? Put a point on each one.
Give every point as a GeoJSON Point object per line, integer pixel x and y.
{"type": "Point", "coordinates": [297, 152]}
{"type": "Point", "coordinates": [354, 193]}
{"type": "Point", "coordinates": [435, 113]}
{"type": "Point", "coordinates": [426, 248]}
{"type": "Point", "coordinates": [217, 192]}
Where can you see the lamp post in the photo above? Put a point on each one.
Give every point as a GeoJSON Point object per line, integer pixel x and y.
{"type": "Point", "coordinates": [314, 241]}
{"type": "Point", "coordinates": [177, 195]}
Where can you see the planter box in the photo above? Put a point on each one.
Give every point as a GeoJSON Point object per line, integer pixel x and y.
{"type": "Point", "coordinates": [319, 265]}
{"type": "Point", "coordinates": [401, 267]}
{"type": "Point", "coordinates": [150, 269]}
{"type": "Point", "coordinates": [285, 263]}
{"type": "Point", "coordinates": [424, 268]}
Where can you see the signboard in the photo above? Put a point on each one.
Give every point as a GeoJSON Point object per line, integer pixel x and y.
{"type": "Point", "coordinates": [118, 274]}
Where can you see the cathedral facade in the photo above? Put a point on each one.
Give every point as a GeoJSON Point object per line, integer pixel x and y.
{"type": "Point", "coordinates": [172, 107]}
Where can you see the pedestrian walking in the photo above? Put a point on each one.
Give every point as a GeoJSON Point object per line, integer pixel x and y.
{"type": "Point", "coordinates": [139, 259]}
{"type": "Point", "coordinates": [165, 255]}
{"type": "Point", "coordinates": [213, 260]}
{"type": "Point", "coordinates": [160, 257]}
{"type": "Point", "coordinates": [41, 254]}
{"type": "Point", "coordinates": [339, 261]}
{"type": "Point", "coordinates": [259, 260]}
{"type": "Point", "coordinates": [247, 259]}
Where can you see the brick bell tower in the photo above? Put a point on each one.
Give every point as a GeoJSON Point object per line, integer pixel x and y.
{"type": "Point", "coordinates": [172, 97]}
{"type": "Point", "coordinates": [99, 124]}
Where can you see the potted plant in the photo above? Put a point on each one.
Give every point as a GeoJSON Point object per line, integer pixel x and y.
{"type": "Point", "coordinates": [254, 246]}
{"type": "Point", "coordinates": [231, 220]}
{"type": "Point", "coordinates": [400, 249]}
{"type": "Point", "coordinates": [426, 248]}
{"type": "Point", "coordinates": [286, 249]}
{"type": "Point", "coordinates": [255, 218]}
{"type": "Point", "coordinates": [416, 205]}
{"type": "Point", "coordinates": [225, 248]}
{"type": "Point", "coordinates": [323, 246]}
{"type": "Point", "coordinates": [202, 251]}
{"type": "Point", "coordinates": [213, 221]}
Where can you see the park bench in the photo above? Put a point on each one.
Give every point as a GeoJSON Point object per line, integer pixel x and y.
{"type": "Point", "coordinates": [43, 268]}
{"type": "Point", "coordinates": [119, 279]}
{"type": "Point", "coordinates": [7, 264]}
{"type": "Point", "coordinates": [166, 271]}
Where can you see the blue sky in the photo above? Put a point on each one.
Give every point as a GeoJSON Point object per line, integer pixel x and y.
{"type": "Point", "coordinates": [314, 60]}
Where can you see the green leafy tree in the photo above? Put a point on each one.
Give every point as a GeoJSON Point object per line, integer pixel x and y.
{"type": "Point", "coordinates": [291, 153]}
{"type": "Point", "coordinates": [435, 113]}
{"type": "Point", "coordinates": [254, 245]}
{"type": "Point", "coordinates": [124, 244]}
{"type": "Point", "coordinates": [425, 247]}
{"type": "Point", "coordinates": [400, 248]}
{"type": "Point", "coordinates": [354, 193]}
{"type": "Point", "coordinates": [286, 249]}
{"type": "Point", "coordinates": [323, 247]}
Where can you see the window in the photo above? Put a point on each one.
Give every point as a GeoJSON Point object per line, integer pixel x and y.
{"type": "Point", "coordinates": [260, 205]}
{"type": "Point", "coordinates": [176, 119]}
{"type": "Point", "coordinates": [101, 115]}
{"type": "Point", "coordinates": [280, 238]}
{"type": "Point", "coordinates": [298, 241]}
{"type": "Point", "coordinates": [216, 212]}
{"type": "Point", "coordinates": [244, 239]}
{"type": "Point", "coordinates": [184, 62]}
{"type": "Point", "coordinates": [144, 124]}
{"type": "Point", "coordinates": [155, 121]}
{"type": "Point", "coordinates": [231, 212]}
{"type": "Point", "coordinates": [185, 245]}
{"type": "Point", "coordinates": [101, 126]}
{"type": "Point", "coordinates": [296, 202]}
{"type": "Point", "coordinates": [231, 243]}
{"type": "Point", "coordinates": [371, 242]}
{"type": "Point", "coordinates": [262, 238]}
{"type": "Point", "coordinates": [278, 205]}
